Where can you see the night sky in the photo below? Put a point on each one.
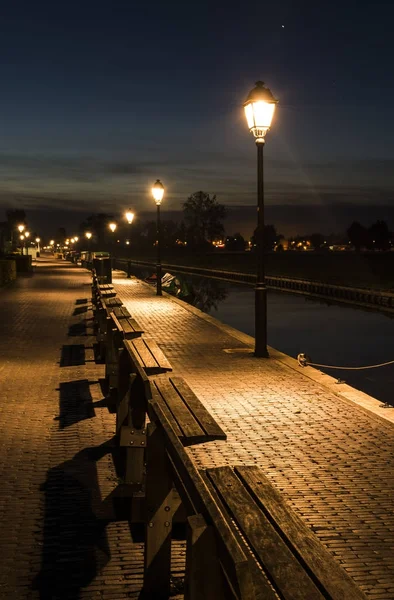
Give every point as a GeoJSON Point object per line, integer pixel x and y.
{"type": "Point", "coordinates": [98, 99]}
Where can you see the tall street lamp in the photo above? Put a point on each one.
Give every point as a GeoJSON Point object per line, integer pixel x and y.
{"type": "Point", "coordinates": [38, 240]}
{"type": "Point", "coordinates": [129, 218]}
{"type": "Point", "coordinates": [158, 193]}
{"type": "Point", "coordinates": [27, 235]}
{"type": "Point", "coordinates": [259, 110]}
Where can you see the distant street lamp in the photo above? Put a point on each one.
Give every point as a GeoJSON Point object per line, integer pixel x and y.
{"type": "Point", "coordinates": [158, 193]}
{"type": "Point", "coordinates": [259, 110]}
{"type": "Point", "coordinates": [112, 227]}
{"type": "Point", "coordinates": [27, 235]}
{"type": "Point", "coordinates": [129, 216]}
{"type": "Point", "coordinates": [38, 240]}
{"type": "Point", "coordinates": [88, 235]}
{"type": "Point", "coordinates": [21, 228]}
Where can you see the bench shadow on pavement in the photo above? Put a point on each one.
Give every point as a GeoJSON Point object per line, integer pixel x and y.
{"type": "Point", "coordinates": [72, 355]}
{"type": "Point", "coordinates": [75, 545]}
{"type": "Point", "coordinates": [75, 402]}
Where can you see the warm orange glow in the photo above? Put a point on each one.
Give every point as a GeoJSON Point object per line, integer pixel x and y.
{"type": "Point", "coordinates": [21, 228]}
{"type": "Point", "coordinates": [129, 216]}
{"type": "Point", "coordinates": [112, 227]}
{"type": "Point", "coordinates": [259, 110]}
{"type": "Point", "coordinates": [88, 235]}
{"type": "Point", "coordinates": [158, 192]}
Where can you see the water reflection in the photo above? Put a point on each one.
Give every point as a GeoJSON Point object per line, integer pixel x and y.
{"type": "Point", "coordinates": [201, 292]}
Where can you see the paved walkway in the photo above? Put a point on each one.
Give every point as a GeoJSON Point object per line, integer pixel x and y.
{"type": "Point", "coordinates": [332, 459]}
{"type": "Point", "coordinates": [56, 469]}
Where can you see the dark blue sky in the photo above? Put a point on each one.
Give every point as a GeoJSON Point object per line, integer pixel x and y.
{"type": "Point", "coordinates": [98, 99]}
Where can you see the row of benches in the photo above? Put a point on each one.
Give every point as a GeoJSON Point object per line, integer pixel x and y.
{"type": "Point", "coordinates": [243, 540]}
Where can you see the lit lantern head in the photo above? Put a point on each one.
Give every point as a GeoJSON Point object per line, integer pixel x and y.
{"type": "Point", "coordinates": [27, 234]}
{"type": "Point", "coordinates": [259, 110]}
{"type": "Point", "coordinates": [158, 192]}
{"type": "Point", "coordinates": [112, 227]}
{"type": "Point", "coordinates": [129, 216]}
{"type": "Point", "coordinates": [21, 228]}
{"type": "Point", "coordinates": [88, 235]}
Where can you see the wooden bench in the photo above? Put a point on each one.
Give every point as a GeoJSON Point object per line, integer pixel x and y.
{"type": "Point", "coordinates": [105, 287]}
{"type": "Point", "coordinates": [190, 419]}
{"type": "Point", "coordinates": [146, 353]}
{"type": "Point", "coordinates": [242, 535]}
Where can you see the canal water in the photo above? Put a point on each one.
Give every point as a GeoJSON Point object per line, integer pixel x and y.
{"type": "Point", "coordinates": [328, 333]}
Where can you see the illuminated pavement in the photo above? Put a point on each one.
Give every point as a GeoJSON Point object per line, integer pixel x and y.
{"type": "Point", "coordinates": [332, 459]}
{"type": "Point", "coordinates": [55, 467]}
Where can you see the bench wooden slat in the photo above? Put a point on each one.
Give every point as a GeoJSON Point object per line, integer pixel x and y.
{"type": "Point", "coordinates": [131, 328]}
{"type": "Point", "coordinates": [318, 559]}
{"type": "Point", "coordinates": [190, 428]}
{"type": "Point", "coordinates": [108, 294]}
{"type": "Point", "coordinates": [105, 286]}
{"type": "Point", "coordinates": [287, 573]}
{"type": "Point", "coordinates": [202, 416]}
{"type": "Point", "coordinates": [128, 327]}
{"type": "Point", "coordinates": [112, 302]}
{"type": "Point", "coordinates": [121, 312]}
{"type": "Point", "coordinates": [152, 358]}
{"type": "Point", "coordinates": [157, 397]}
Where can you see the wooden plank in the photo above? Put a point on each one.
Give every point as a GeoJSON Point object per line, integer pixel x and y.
{"type": "Point", "coordinates": [212, 430]}
{"type": "Point", "coordinates": [129, 330]}
{"type": "Point", "coordinates": [111, 303]}
{"type": "Point", "coordinates": [136, 326]}
{"type": "Point", "coordinates": [146, 357]}
{"type": "Point", "coordinates": [121, 312]}
{"type": "Point", "coordinates": [151, 356]}
{"type": "Point", "coordinates": [158, 398]}
{"type": "Point", "coordinates": [284, 569]}
{"type": "Point", "coordinates": [205, 504]}
{"type": "Point", "coordinates": [190, 428]}
{"type": "Point", "coordinates": [264, 590]}
{"type": "Point", "coordinates": [107, 294]}
{"type": "Point", "coordinates": [318, 559]}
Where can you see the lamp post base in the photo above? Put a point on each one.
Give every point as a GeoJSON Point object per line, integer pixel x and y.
{"type": "Point", "coordinates": [260, 349]}
{"type": "Point", "coordinates": [158, 280]}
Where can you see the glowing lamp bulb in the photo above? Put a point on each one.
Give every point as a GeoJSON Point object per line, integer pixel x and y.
{"type": "Point", "coordinates": [259, 110]}
{"type": "Point", "coordinates": [158, 192]}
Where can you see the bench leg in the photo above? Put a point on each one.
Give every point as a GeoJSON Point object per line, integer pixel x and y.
{"type": "Point", "coordinates": [161, 503]}
{"type": "Point", "coordinates": [204, 577]}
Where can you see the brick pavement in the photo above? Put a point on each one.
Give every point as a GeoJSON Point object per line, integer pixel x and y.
{"type": "Point", "coordinates": [56, 539]}
{"type": "Point", "coordinates": [331, 459]}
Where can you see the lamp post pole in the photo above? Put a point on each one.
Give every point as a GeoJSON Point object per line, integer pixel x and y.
{"type": "Point", "coordinates": [260, 289]}
{"type": "Point", "coordinates": [158, 265]}
{"type": "Point", "coordinates": [259, 110]}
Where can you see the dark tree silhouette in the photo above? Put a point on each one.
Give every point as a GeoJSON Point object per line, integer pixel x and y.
{"type": "Point", "coordinates": [203, 217]}
{"type": "Point", "coordinates": [235, 242]}
{"type": "Point", "coordinates": [380, 235]}
{"type": "Point", "coordinates": [98, 225]}
{"type": "Point", "coordinates": [270, 237]}
{"type": "Point", "coordinates": [317, 240]}
{"type": "Point", "coordinates": [359, 236]}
